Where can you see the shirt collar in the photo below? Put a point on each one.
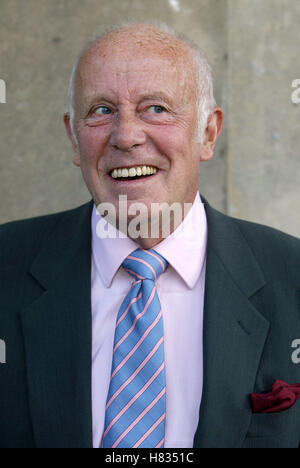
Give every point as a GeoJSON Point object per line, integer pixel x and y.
{"type": "Point", "coordinates": [184, 249]}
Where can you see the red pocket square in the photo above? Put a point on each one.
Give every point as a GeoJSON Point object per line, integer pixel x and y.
{"type": "Point", "coordinates": [282, 397]}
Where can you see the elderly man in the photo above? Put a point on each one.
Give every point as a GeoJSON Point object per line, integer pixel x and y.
{"type": "Point", "coordinates": [121, 340]}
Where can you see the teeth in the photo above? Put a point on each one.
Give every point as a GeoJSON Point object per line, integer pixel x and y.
{"type": "Point", "coordinates": [133, 171]}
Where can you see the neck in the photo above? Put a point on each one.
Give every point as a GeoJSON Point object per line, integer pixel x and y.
{"type": "Point", "coordinates": [149, 232]}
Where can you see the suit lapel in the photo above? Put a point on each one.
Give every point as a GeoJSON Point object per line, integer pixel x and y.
{"type": "Point", "coordinates": [57, 335]}
{"type": "Point", "coordinates": [233, 337]}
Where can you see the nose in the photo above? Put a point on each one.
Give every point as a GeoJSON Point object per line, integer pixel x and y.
{"type": "Point", "coordinates": [127, 132]}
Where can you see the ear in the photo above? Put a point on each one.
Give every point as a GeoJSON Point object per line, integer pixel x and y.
{"type": "Point", "coordinates": [76, 157]}
{"type": "Point", "coordinates": [212, 132]}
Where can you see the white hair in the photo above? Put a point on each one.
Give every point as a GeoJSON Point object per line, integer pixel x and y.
{"type": "Point", "coordinates": [206, 100]}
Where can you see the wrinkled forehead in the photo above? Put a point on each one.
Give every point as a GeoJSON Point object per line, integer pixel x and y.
{"type": "Point", "coordinates": [134, 54]}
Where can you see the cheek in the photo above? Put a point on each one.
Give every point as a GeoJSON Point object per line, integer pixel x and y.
{"type": "Point", "coordinates": [171, 141]}
{"type": "Point", "coordinates": [92, 142]}
{"type": "Point", "coordinates": [178, 147]}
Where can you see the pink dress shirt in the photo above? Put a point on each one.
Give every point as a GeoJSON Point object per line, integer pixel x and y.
{"type": "Point", "coordinates": [181, 293]}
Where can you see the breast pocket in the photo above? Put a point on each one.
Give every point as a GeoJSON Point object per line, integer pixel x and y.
{"type": "Point", "coordinates": [269, 424]}
{"type": "Point", "coordinates": [274, 430]}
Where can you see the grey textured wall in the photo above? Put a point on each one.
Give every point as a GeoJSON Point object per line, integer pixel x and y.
{"type": "Point", "coordinates": [253, 47]}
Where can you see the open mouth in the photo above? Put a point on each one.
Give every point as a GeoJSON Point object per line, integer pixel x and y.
{"type": "Point", "coordinates": [133, 173]}
{"type": "Point", "coordinates": [135, 178]}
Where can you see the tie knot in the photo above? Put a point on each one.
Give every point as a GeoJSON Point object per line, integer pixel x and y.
{"type": "Point", "coordinates": [145, 264]}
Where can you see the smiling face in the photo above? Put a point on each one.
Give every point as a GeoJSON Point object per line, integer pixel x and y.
{"type": "Point", "coordinates": [135, 106]}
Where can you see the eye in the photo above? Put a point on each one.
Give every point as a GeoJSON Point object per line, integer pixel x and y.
{"type": "Point", "coordinates": [157, 109]}
{"type": "Point", "coordinates": [102, 110]}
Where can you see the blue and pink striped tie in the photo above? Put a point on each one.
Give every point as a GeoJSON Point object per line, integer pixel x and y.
{"type": "Point", "coordinates": [136, 403]}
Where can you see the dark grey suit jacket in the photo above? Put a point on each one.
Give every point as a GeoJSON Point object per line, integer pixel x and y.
{"type": "Point", "coordinates": [251, 318]}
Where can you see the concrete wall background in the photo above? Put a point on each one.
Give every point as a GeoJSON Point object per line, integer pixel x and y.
{"type": "Point", "coordinates": [263, 139]}
{"type": "Point", "coordinates": [253, 47]}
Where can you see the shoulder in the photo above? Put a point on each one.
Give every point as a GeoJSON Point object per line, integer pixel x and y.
{"type": "Point", "coordinates": [277, 251]}
{"type": "Point", "coordinates": [21, 240]}
{"type": "Point", "coordinates": [260, 236]}
{"type": "Point", "coordinates": [267, 239]}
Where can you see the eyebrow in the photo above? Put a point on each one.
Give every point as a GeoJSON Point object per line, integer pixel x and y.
{"type": "Point", "coordinates": [156, 96]}
{"type": "Point", "coordinates": [89, 100]}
